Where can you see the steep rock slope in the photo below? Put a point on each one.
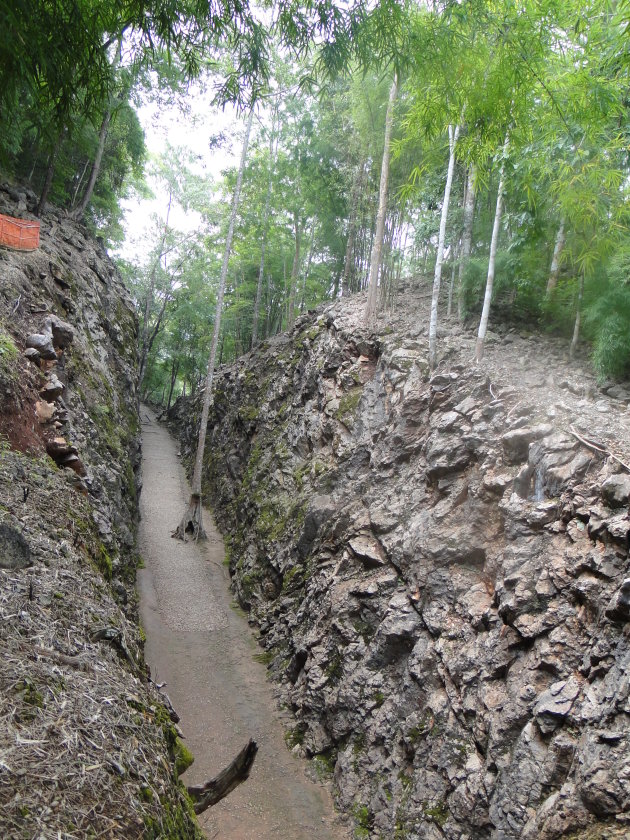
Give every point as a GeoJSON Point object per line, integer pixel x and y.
{"type": "Point", "coordinates": [86, 745]}
{"type": "Point", "coordinates": [438, 568]}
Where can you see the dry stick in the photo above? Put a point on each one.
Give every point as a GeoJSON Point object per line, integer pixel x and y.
{"type": "Point", "coordinates": [212, 791]}
{"type": "Point", "coordinates": [591, 445]}
{"type": "Point", "coordinates": [77, 661]}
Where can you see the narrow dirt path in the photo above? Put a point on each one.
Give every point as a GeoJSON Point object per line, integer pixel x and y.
{"type": "Point", "coordinates": [202, 647]}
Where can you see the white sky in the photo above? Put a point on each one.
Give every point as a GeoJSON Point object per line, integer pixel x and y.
{"type": "Point", "coordinates": [192, 129]}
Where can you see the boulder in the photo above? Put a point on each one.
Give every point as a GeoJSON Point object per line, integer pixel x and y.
{"type": "Point", "coordinates": [53, 389]}
{"type": "Point", "coordinates": [62, 332]}
{"type": "Point", "coordinates": [516, 443]}
{"type": "Point", "coordinates": [43, 344]}
{"type": "Point", "coordinates": [616, 490]}
{"type": "Point", "coordinates": [619, 607]}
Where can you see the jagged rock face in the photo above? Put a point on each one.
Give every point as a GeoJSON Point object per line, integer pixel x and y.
{"type": "Point", "coordinates": [86, 743]}
{"type": "Point", "coordinates": [440, 573]}
{"type": "Point", "coordinates": [72, 390]}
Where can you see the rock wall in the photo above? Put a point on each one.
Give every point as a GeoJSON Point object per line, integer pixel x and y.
{"type": "Point", "coordinates": [438, 568]}
{"type": "Point", "coordinates": [86, 744]}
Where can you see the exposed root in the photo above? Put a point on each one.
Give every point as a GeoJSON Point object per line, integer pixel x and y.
{"type": "Point", "coordinates": [212, 791]}
{"type": "Point", "coordinates": [191, 524]}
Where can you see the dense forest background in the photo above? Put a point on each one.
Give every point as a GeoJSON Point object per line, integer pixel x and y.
{"type": "Point", "coordinates": [478, 148]}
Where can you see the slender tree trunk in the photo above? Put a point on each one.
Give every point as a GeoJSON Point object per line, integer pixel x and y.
{"type": "Point", "coordinates": [349, 262]}
{"type": "Point", "coordinates": [285, 288]}
{"type": "Point", "coordinates": [79, 182]}
{"type": "Point", "coordinates": [174, 372]}
{"type": "Point", "coordinates": [268, 319]}
{"type": "Point", "coordinates": [80, 209]}
{"type": "Point", "coordinates": [377, 246]}
{"type": "Point", "coordinates": [34, 148]}
{"type": "Point", "coordinates": [307, 271]}
{"type": "Point", "coordinates": [295, 270]}
{"type": "Point", "coordinates": [263, 244]}
{"type": "Point", "coordinates": [554, 270]}
{"type": "Point", "coordinates": [578, 318]}
{"type": "Point", "coordinates": [146, 341]}
{"type": "Point", "coordinates": [191, 522]}
{"type": "Point", "coordinates": [50, 173]}
{"type": "Point", "coordinates": [485, 312]}
{"type": "Point", "coordinates": [453, 134]}
{"type": "Point", "coordinates": [464, 254]}
{"type": "Point", "coordinates": [386, 272]}
{"type": "Point", "coordinates": [451, 286]}
{"type": "Point", "coordinates": [338, 275]}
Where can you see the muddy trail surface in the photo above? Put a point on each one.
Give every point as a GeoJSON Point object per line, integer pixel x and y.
{"type": "Point", "coordinates": [202, 647]}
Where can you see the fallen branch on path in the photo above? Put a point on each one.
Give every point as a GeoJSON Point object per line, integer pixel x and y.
{"type": "Point", "coordinates": [590, 444]}
{"type": "Point", "coordinates": [212, 791]}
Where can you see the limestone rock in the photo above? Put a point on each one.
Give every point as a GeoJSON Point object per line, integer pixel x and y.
{"type": "Point", "coordinates": [516, 443]}
{"type": "Point", "coordinates": [43, 344]}
{"type": "Point", "coordinates": [52, 389]}
{"type": "Point", "coordinates": [62, 332]}
{"type": "Point", "coordinates": [445, 591]}
{"type": "Point", "coordinates": [32, 355]}
{"type": "Point", "coordinates": [44, 411]}
{"type": "Point", "coordinates": [619, 607]}
{"type": "Point", "coordinates": [616, 490]}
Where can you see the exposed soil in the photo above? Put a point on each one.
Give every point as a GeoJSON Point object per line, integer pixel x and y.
{"type": "Point", "coordinates": [200, 644]}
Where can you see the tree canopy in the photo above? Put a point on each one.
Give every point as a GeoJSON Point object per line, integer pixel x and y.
{"type": "Point", "coordinates": [533, 96]}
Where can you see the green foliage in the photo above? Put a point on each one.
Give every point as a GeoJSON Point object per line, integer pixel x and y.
{"type": "Point", "coordinates": [608, 323]}
{"type": "Point", "coordinates": [176, 821]}
{"type": "Point", "coordinates": [183, 757]}
{"type": "Point", "coordinates": [294, 737]}
{"type": "Point", "coordinates": [437, 813]}
{"type": "Point", "coordinates": [8, 357]}
{"type": "Point", "coordinates": [364, 821]}
{"type": "Point", "coordinates": [324, 764]}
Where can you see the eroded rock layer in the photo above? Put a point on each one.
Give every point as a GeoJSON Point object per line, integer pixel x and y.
{"type": "Point", "coordinates": [87, 747]}
{"type": "Point", "coordinates": [438, 567]}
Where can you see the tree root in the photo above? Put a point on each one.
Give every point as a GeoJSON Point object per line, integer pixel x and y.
{"type": "Point", "coordinates": [191, 524]}
{"type": "Point", "coordinates": [212, 791]}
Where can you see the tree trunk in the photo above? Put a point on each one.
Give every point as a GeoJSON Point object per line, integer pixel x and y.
{"type": "Point", "coordinates": [174, 372]}
{"type": "Point", "coordinates": [146, 340]}
{"type": "Point", "coordinates": [451, 287]}
{"type": "Point", "coordinates": [377, 245]}
{"type": "Point", "coordinates": [214, 790]}
{"type": "Point", "coordinates": [307, 271]}
{"type": "Point", "coordinates": [554, 270]}
{"type": "Point", "coordinates": [79, 182]}
{"type": "Point", "coordinates": [263, 244]}
{"type": "Point", "coordinates": [50, 174]}
{"type": "Point", "coordinates": [485, 312]}
{"type": "Point", "coordinates": [578, 318]}
{"type": "Point", "coordinates": [294, 271]}
{"type": "Point", "coordinates": [79, 211]}
{"type": "Point", "coordinates": [349, 265]}
{"type": "Point", "coordinates": [464, 254]}
{"type": "Point", "coordinates": [191, 523]}
{"type": "Point", "coordinates": [268, 317]}
{"type": "Point", "coordinates": [453, 134]}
